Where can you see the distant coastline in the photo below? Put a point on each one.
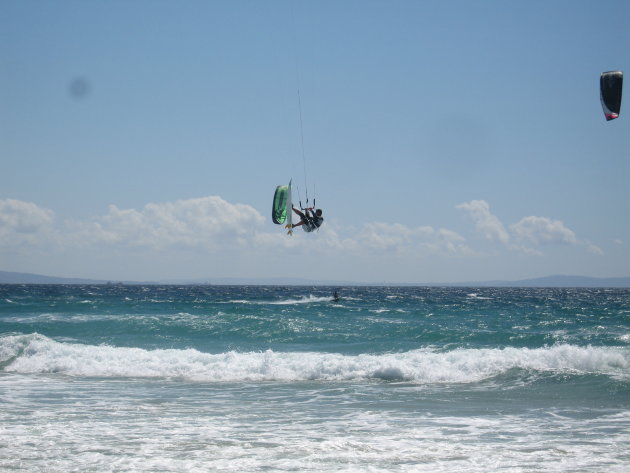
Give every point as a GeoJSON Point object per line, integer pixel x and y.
{"type": "Point", "coordinates": [7, 277]}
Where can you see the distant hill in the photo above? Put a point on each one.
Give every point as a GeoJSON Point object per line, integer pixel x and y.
{"type": "Point", "coordinates": [265, 282]}
{"type": "Point", "coordinates": [28, 278]}
{"type": "Point", "coordinates": [556, 281]}
{"type": "Point", "coordinates": [548, 281]}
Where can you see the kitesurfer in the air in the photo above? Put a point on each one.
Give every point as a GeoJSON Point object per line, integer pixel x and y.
{"type": "Point", "coordinates": [310, 220]}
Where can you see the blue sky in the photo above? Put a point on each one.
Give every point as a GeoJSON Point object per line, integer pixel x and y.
{"type": "Point", "coordinates": [445, 140]}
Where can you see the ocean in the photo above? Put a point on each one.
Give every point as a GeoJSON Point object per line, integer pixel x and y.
{"type": "Point", "coordinates": [122, 378]}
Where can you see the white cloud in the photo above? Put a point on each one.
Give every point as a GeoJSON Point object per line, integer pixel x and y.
{"type": "Point", "coordinates": [452, 242]}
{"type": "Point", "coordinates": [485, 222]}
{"type": "Point", "coordinates": [23, 222]}
{"type": "Point", "coordinates": [542, 230]}
{"type": "Point", "coordinates": [371, 238]}
{"type": "Point", "coordinates": [399, 238]}
{"type": "Point", "coordinates": [208, 222]}
{"type": "Point", "coordinates": [532, 230]}
{"type": "Point", "coordinates": [390, 236]}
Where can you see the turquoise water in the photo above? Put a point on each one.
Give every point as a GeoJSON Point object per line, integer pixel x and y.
{"type": "Point", "coordinates": [255, 378]}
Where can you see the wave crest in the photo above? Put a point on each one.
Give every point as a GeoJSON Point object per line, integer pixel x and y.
{"type": "Point", "coordinates": [38, 354]}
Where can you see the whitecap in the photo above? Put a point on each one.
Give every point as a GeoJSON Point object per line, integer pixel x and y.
{"type": "Point", "coordinates": [39, 354]}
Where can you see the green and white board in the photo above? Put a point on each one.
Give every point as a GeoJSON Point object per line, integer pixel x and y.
{"type": "Point", "coordinates": [281, 211]}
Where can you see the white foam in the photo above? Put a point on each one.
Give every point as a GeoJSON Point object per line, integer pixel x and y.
{"type": "Point", "coordinates": [105, 427]}
{"type": "Point", "coordinates": [302, 300]}
{"type": "Point", "coordinates": [38, 354]}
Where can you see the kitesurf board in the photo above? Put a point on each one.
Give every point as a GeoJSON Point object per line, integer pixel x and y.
{"type": "Point", "coordinates": [281, 210]}
{"type": "Point", "coordinates": [289, 207]}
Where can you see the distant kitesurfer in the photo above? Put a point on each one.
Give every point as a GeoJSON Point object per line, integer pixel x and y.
{"type": "Point", "coordinates": [310, 220]}
{"type": "Point", "coordinates": [336, 297]}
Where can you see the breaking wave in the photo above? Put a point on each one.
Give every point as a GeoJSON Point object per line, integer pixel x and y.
{"type": "Point", "coordinates": [37, 354]}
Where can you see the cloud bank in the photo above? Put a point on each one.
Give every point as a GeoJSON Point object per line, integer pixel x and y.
{"type": "Point", "coordinates": [208, 222]}
{"type": "Point", "coordinates": [486, 223]}
{"type": "Point", "coordinates": [211, 225]}
{"type": "Point", "coordinates": [531, 230]}
{"type": "Point", "coordinates": [24, 223]}
{"type": "Point", "coordinates": [543, 231]}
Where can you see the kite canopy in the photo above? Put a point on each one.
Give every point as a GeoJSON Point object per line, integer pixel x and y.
{"type": "Point", "coordinates": [610, 86]}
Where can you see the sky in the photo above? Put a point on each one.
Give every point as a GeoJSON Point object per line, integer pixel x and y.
{"type": "Point", "coordinates": [445, 141]}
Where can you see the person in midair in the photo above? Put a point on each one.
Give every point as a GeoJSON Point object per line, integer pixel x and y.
{"type": "Point", "coordinates": [311, 219]}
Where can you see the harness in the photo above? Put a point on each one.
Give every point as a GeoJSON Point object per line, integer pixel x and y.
{"type": "Point", "coordinates": [313, 221]}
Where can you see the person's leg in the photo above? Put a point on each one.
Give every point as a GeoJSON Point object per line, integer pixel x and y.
{"type": "Point", "coordinates": [299, 213]}
{"type": "Point", "coordinates": [302, 218]}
